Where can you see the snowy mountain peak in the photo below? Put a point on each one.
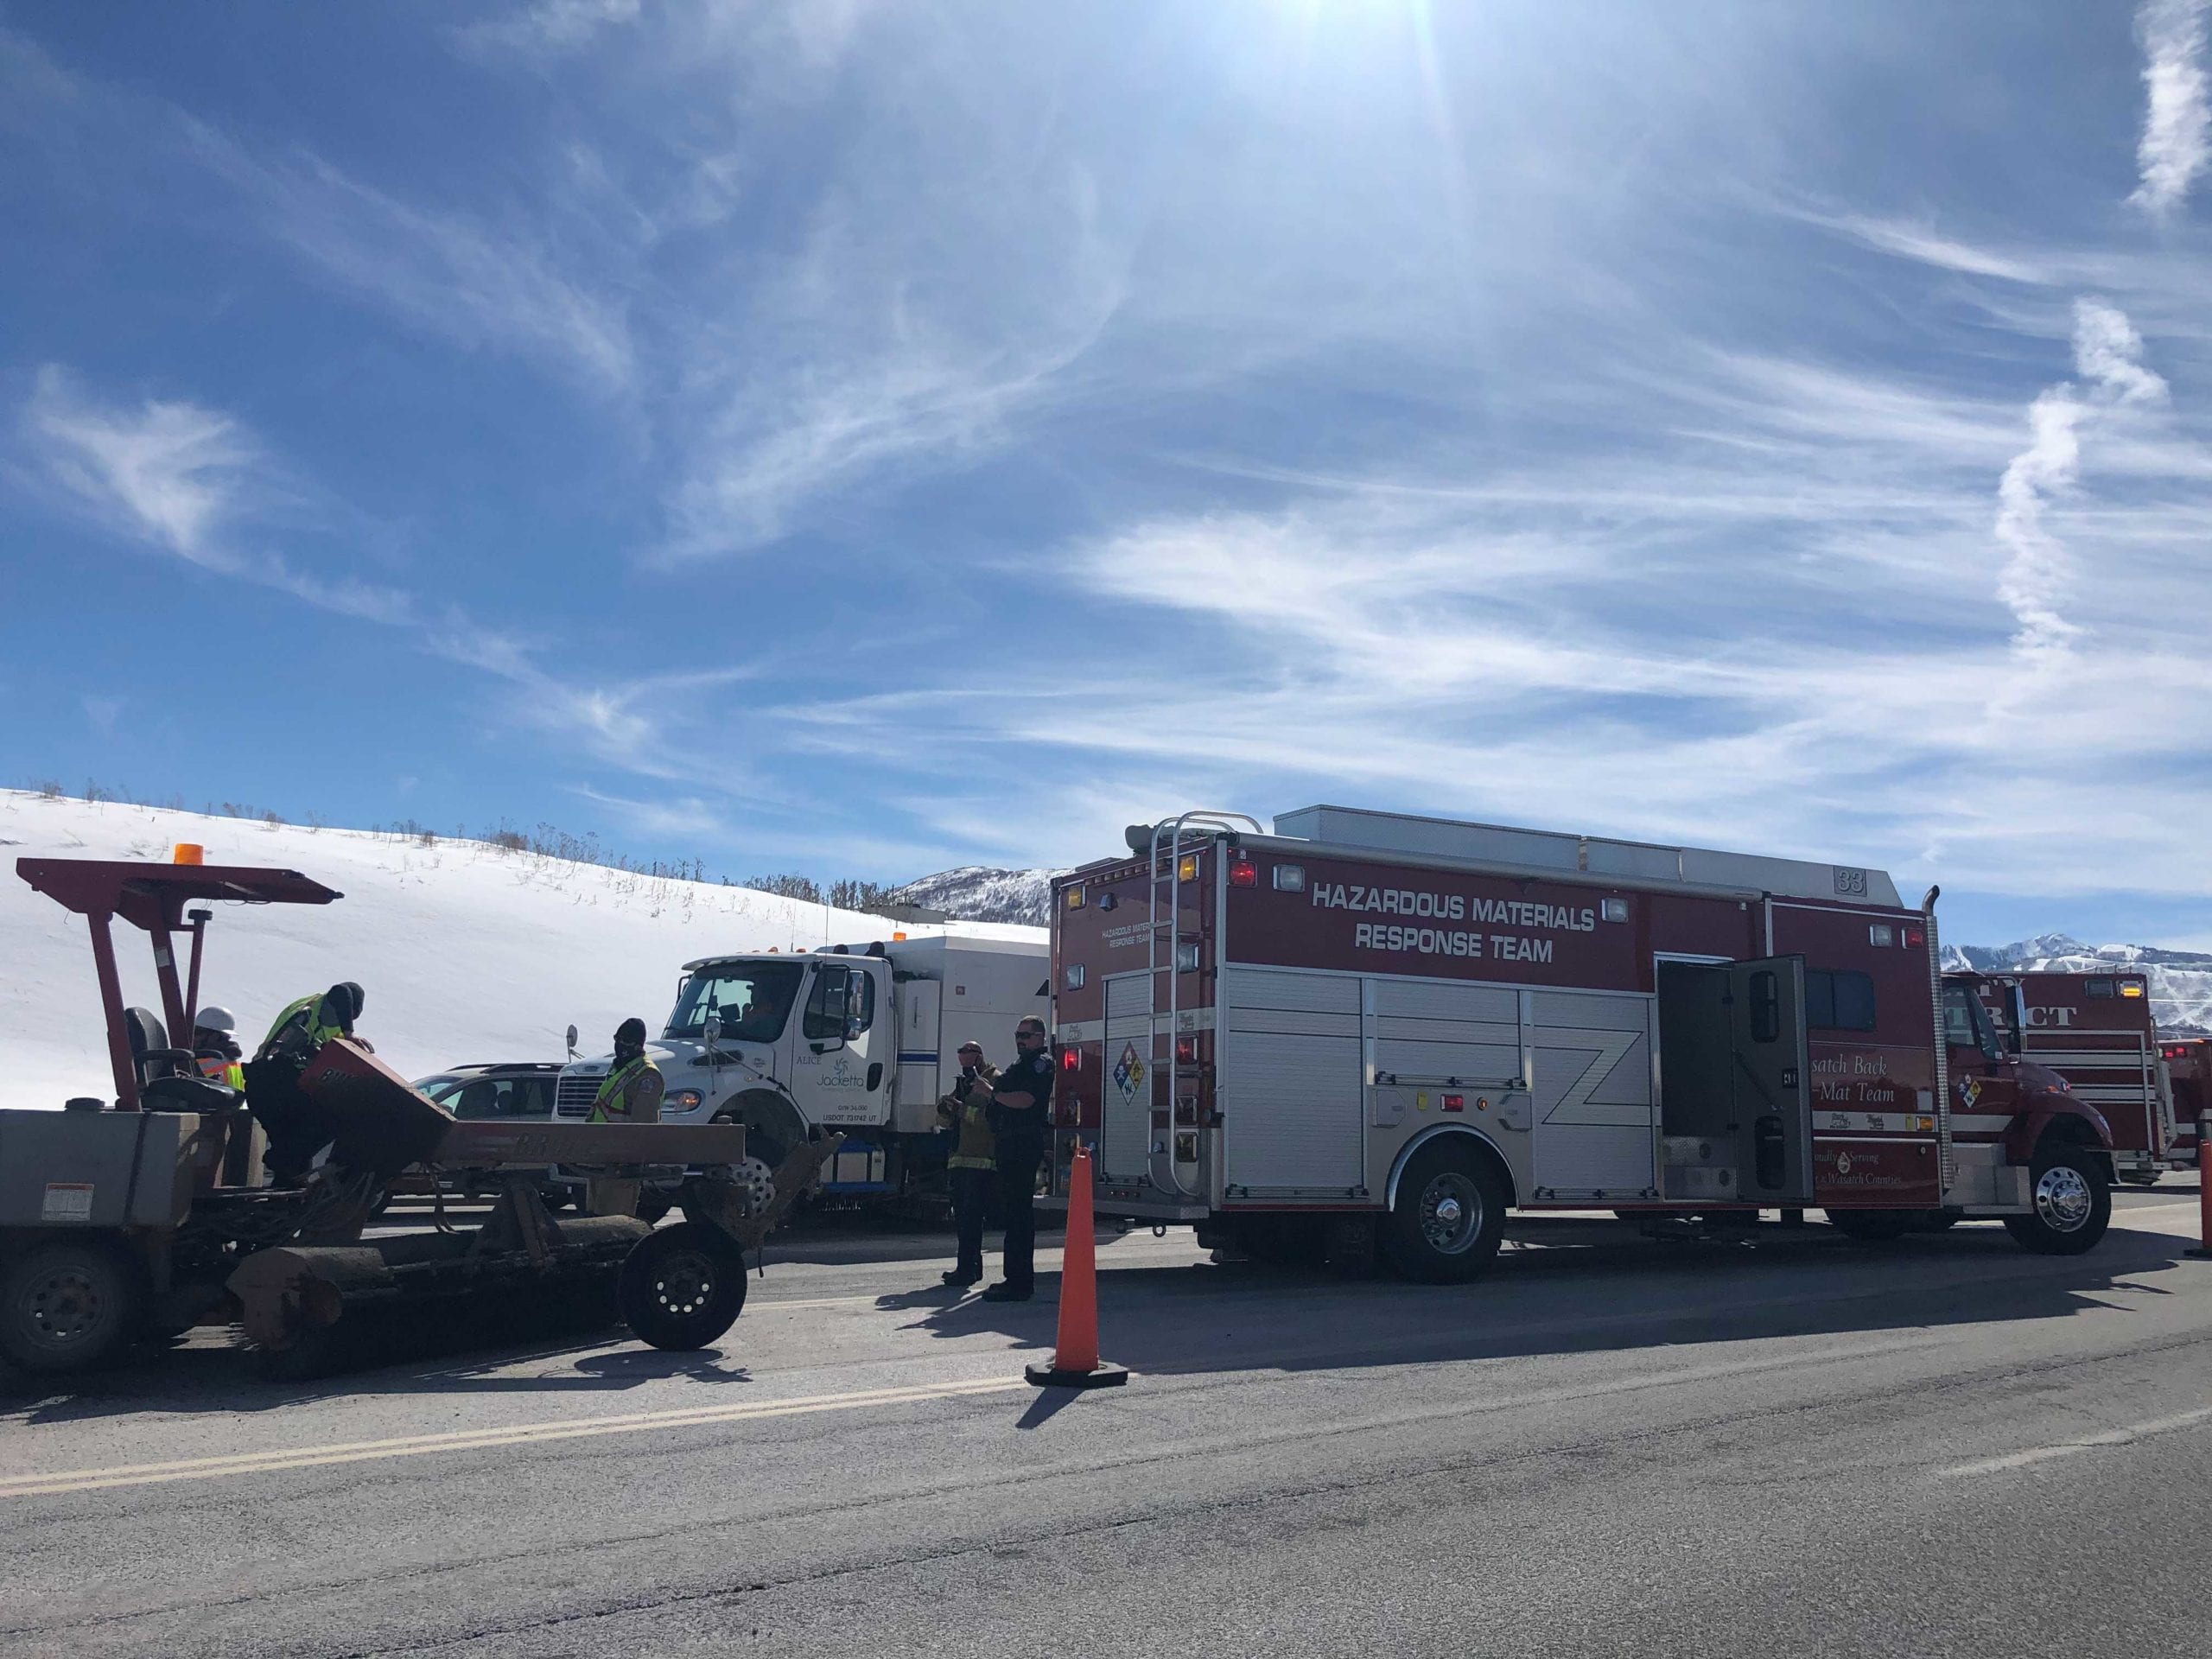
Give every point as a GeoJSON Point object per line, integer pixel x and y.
{"type": "Point", "coordinates": [2180, 981]}
{"type": "Point", "coordinates": [979, 893]}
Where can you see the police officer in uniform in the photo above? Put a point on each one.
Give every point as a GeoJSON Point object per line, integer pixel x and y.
{"type": "Point", "coordinates": [630, 1094]}
{"type": "Point", "coordinates": [1021, 1110]}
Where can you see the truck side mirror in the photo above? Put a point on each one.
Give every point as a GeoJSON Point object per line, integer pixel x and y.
{"type": "Point", "coordinates": [714, 1029]}
{"type": "Point", "coordinates": [2017, 1022]}
{"type": "Point", "coordinates": [572, 1042]}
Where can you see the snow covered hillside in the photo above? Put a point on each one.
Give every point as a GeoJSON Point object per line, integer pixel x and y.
{"type": "Point", "coordinates": [2180, 981]}
{"type": "Point", "coordinates": [976, 892]}
{"type": "Point", "coordinates": [466, 951]}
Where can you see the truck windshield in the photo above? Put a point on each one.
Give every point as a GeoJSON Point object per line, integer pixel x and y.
{"type": "Point", "coordinates": [751, 999]}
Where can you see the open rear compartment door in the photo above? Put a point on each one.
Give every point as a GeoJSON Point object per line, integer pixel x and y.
{"type": "Point", "coordinates": [1773, 1079]}
{"type": "Point", "coordinates": [1735, 1083]}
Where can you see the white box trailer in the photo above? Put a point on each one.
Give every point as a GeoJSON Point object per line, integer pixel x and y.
{"type": "Point", "coordinates": [855, 1039]}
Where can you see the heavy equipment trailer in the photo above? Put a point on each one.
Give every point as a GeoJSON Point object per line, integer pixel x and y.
{"type": "Point", "coordinates": [136, 1215]}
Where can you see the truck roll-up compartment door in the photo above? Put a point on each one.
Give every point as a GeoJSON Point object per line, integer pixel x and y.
{"type": "Point", "coordinates": [1293, 1095]}
{"type": "Point", "coordinates": [925, 1057]}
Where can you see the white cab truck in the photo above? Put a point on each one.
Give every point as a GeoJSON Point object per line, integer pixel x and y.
{"type": "Point", "coordinates": [855, 1041]}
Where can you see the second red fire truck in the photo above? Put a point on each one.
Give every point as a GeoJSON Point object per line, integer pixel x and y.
{"type": "Point", "coordinates": [2096, 1031]}
{"type": "Point", "coordinates": [1371, 1019]}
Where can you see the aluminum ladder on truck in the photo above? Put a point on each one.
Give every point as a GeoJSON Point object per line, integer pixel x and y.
{"type": "Point", "coordinates": [1198, 827]}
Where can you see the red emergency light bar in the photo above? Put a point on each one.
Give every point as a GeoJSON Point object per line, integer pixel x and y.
{"type": "Point", "coordinates": [1243, 872]}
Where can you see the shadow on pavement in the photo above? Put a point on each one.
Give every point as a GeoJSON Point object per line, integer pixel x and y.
{"type": "Point", "coordinates": [1636, 1293]}
{"type": "Point", "coordinates": [1562, 1286]}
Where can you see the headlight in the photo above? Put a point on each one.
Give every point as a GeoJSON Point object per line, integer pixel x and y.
{"type": "Point", "coordinates": [684, 1100]}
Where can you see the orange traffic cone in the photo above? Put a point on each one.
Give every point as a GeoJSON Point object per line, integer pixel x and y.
{"type": "Point", "coordinates": [1075, 1358]}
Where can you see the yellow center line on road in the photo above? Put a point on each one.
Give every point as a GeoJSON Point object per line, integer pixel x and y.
{"type": "Point", "coordinates": [575, 1428]}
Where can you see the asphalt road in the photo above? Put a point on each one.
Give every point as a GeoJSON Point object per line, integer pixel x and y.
{"type": "Point", "coordinates": [1608, 1446]}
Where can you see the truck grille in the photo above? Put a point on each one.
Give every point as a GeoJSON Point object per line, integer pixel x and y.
{"type": "Point", "coordinates": [575, 1096]}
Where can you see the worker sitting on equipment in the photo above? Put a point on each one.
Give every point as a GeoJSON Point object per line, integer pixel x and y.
{"type": "Point", "coordinates": [631, 1094]}
{"type": "Point", "coordinates": [307, 1024]}
{"type": "Point", "coordinates": [215, 1048]}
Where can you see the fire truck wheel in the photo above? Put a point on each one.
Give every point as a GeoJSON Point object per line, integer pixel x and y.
{"type": "Point", "coordinates": [67, 1306]}
{"type": "Point", "coordinates": [2072, 1199]}
{"type": "Point", "coordinates": [1449, 1214]}
{"type": "Point", "coordinates": [682, 1287]}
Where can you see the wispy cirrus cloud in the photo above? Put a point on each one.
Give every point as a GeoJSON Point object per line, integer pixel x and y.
{"type": "Point", "coordinates": [169, 471]}
{"type": "Point", "coordinates": [195, 483]}
{"type": "Point", "coordinates": [1916, 240]}
{"type": "Point", "coordinates": [2176, 141]}
{"type": "Point", "coordinates": [445, 271]}
{"type": "Point", "coordinates": [2107, 353]}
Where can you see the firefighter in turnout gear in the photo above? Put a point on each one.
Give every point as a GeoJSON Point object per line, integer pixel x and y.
{"type": "Point", "coordinates": [971, 1167]}
{"type": "Point", "coordinates": [631, 1094]}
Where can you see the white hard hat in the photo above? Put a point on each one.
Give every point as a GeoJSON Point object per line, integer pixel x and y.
{"type": "Point", "coordinates": [212, 1017]}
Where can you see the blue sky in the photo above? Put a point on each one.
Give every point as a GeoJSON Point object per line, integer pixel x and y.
{"type": "Point", "coordinates": [870, 438]}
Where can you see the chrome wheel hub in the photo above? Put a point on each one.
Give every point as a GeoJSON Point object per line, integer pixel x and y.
{"type": "Point", "coordinates": [2064, 1199]}
{"type": "Point", "coordinates": [1450, 1213]}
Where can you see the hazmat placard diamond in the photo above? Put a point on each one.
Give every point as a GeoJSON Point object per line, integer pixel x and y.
{"type": "Point", "coordinates": [1130, 1073]}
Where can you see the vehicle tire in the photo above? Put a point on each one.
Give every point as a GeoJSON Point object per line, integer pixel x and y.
{"type": "Point", "coordinates": [765, 1152]}
{"type": "Point", "coordinates": [682, 1287]}
{"type": "Point", "coordinates": [1449, 1214]}
{"type": "Point", "coordinates": [2072, 1199]}
{"type": "Point", "coordinates": [1871, 1226]}
{"type": "Point", "coordinates": [67, 1304]}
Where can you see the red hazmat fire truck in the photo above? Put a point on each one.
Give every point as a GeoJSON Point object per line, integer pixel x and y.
{"type": "Point", "coordinates": [2188, 1069]}
{"type": "Point", "coordinates": [1412, 1024]}
{"type": "Point", "coordinates": [2097, 1033]}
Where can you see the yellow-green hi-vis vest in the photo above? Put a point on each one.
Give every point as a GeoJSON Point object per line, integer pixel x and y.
{"type": "Point", "coordinates": [319, 1031]}
{"type": "Point", "coordinates": [609, 1103]}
